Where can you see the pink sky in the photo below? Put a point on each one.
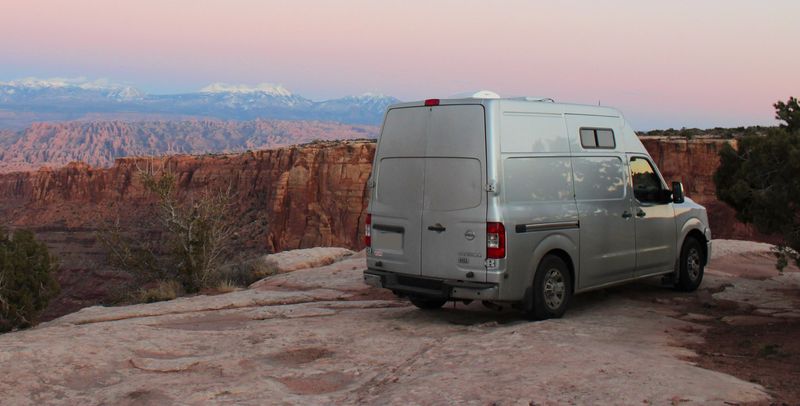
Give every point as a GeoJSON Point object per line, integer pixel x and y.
{"type": "Point", "coordinates": [666, 64]}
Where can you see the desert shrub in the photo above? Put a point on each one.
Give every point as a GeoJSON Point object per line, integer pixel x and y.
{"type": "Point", "coordinates": [759, 180]}
{"type": "Point", "coordinates": [246, 272]}
{"type": "Point", "coordinates": [163, 290]}
{"type": "Point", "coordinates": [190, 239]}
{"type": "Point", "coordinates": [27, 281]}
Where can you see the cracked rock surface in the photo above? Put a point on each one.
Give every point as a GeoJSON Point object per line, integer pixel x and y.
{"type": "Point", "coordinates": [320, 336]}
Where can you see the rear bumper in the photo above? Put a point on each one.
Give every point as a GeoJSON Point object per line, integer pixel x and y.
{"type": "Point", "coordinates": [431, 287]}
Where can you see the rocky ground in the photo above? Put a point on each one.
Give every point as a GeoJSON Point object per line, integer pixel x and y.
{"type": "Point", "coordinates": [317, 335]}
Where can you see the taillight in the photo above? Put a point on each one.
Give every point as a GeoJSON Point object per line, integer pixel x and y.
{"type": "Point", "coordinates": [432, 102]}
{"type": "Point", "coordinates": [495, 241]}
{"type": "Point", "coordinates": [368, 230]}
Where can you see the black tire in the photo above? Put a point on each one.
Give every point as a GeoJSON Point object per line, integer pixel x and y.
{"type": "Point", "coordinates": [427, 303]}
{"type": "Point", "coordinates": [692, 265]}
{"type": "Point", "coordinates": [552, 289]}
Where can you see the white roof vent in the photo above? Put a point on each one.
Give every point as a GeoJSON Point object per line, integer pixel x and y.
{"type": "Point", "coordinates": [485, 94]}
{"type": "Point", "coordinates": [482, 94]}
{"type": "Point", "coordinates": [536, 99]}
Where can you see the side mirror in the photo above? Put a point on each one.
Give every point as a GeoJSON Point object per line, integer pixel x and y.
{"type": "Point", "coordinates": [677, 192]}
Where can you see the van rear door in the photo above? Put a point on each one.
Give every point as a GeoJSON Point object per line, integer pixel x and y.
{"type": "Point", "coordinates": [397, 199]}
{"type": "Point", "coordinates": [429, 203]}
{"type": "Point", "coordinates": [454, 202]}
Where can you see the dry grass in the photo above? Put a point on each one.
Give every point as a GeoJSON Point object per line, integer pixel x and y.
{"type": "Point", "coordinates": [226, 286]}
{"type": "Point", "coordinates": [164, 290]}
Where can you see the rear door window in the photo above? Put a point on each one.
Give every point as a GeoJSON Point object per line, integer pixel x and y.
{"type": "Point", "coordinates": [400, 182]}
{"type": "Point", "coordinates": [452, 183]}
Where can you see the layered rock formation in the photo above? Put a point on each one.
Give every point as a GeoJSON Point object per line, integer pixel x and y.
{"type": "Point", "coordinates": [310, 195]}
{"type": "Point", "coordinates": [99, 143]}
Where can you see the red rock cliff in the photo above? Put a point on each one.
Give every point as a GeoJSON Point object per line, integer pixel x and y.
{"type": "Point", "coordinates": [694, 162]}
{"type": "Point", "coordinates": [309, 195]}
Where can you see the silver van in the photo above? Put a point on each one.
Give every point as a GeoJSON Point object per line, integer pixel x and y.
{"type": "Point", "coordinates": [524, 202]}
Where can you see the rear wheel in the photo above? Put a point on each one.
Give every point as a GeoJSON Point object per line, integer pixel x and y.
{"type": "Point", "coordinates": [692, 265]}
{"type": "Point", "coordinates": [427, 303]}
{"type": "Point", "coordinates": [552, 289]}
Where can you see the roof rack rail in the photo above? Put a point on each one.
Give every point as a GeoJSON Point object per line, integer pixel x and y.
{"type": "Point", "coordinates": [536, 99]}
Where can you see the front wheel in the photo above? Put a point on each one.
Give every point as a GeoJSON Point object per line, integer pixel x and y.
{"type": "Point", "coordinates": [552, 289]}
{"type": "Point", "coordinates": [692, 265]}
{"type": "Point", "coordinates": [426, 303]}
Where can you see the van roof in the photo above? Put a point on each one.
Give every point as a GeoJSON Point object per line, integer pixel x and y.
{"type": "Point", "coordinates": [525, 104]}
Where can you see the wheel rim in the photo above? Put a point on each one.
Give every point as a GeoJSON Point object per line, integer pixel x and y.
{"type": "Point", "coordinates": [554, 289]}
{"type": "Point", "coordinates": [693, 264]}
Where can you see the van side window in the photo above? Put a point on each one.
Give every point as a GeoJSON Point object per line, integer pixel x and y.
{"type": "Point", "coordinates": [592, 138]}
{"type": "Point", "coordinates": [646, 184]}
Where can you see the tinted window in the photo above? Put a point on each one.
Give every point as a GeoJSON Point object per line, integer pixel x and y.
{"type": "Point", "coordinates": [452, 183]}
{"type": "Point", "coordinates": [538, 179]}
{"type": "Point", "coordinates": [597, 138]}
{"type": "Point", "coordinates": [646, 184]}
{"type": "Point", "coordinates": [605, 139]}
{"type": "Point", "coordinates": [399, 182]}
{"type": "Point", "coordinates": [587, 139]}
{"type": "Point", "coordinates": [598, 178]}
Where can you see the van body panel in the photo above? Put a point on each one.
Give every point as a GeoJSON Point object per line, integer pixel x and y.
{"type": "Point", "coordinates": [690, 216]}
{"type": "Point", "coordinates": [525, 252]}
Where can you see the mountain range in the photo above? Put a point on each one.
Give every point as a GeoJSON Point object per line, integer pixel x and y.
{"type": "Point", "coordinates": [25, 101]}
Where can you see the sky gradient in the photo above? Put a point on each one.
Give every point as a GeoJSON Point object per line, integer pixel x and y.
{"type": "Point", "coordinates": [665, 64]}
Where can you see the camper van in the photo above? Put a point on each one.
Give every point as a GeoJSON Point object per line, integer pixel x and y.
{"type": "Point", "coordinates": [522, 202]}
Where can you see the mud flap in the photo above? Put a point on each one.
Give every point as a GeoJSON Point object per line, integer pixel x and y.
{"type": "Point", "coordinates": [527, 300]}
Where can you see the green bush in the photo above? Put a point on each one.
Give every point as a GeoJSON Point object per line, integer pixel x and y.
{"type": "Point", "coordinates": [27, 282]}
{"type": "Point", "coordinates": [759, 179]}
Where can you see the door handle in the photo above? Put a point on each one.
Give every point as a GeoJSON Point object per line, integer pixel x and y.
{"type": "Point", "coordinates": [641, 213]}
{"type": "Point", "coordinates": [626, 214]}
{"type": "Point", "coordinates": [437, 227]}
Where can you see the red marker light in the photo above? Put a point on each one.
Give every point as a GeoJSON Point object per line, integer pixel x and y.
{"type": "Point", "coordinates": [368, 230]}
{"type": "Point", "coordinates": [432, 102]}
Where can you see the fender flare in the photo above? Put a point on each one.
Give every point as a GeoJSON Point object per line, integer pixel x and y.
{"type": "Point", "coordinates": [692, 223]}
{"type": "Point", "coordinates": [688, 226]}
{"type": "Point", "coordinates": [558, 241]}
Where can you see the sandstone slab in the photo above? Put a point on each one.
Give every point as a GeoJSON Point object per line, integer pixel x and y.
{"type": "Point", "coordinates": [307, 337]}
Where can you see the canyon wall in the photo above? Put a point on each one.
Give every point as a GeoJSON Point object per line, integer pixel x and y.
{"type": "Point", "coordinates": [291, 197]}
{"type": "Point", "coordinates": [693, 162]}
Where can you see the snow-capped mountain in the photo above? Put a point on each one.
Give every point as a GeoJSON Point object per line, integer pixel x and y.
{"type": "Point", "coordinates": [42, 90]}
{"type": "Point", "coordinates": [68, 99]}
